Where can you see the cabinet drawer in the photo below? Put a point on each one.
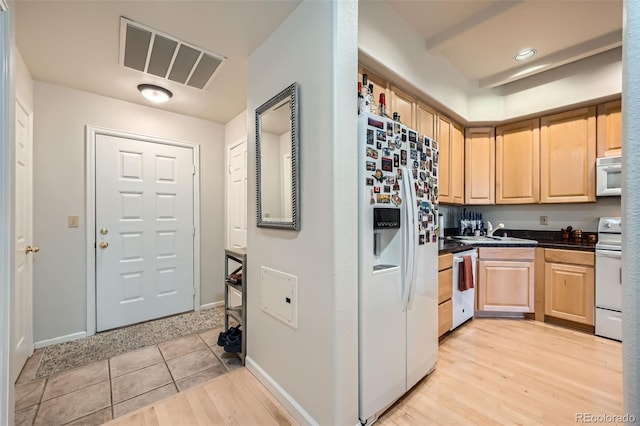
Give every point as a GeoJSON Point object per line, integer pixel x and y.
{"type": "Point", "coordinates": [507, 253]}
{"type": "Point", "coordinates": [445, 282]}
{"type": "Point", "coordinates": [445, 317]}
{"type": "Point", "coordinates": [445, 261]}
{"type": "Point", "coordinates": [569, 256]}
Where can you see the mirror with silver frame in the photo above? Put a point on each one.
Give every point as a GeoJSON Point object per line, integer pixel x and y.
{"type": "Point", "coordinates": [277, 144]}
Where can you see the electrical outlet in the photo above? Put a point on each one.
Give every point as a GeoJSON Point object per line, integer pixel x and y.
{"type": "Point", "coordinates": [544, 220]}
{"type": "Point", "coordinates": [73, 221]}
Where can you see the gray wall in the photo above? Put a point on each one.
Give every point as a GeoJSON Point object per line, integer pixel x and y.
{"type": "Point", "coordinates": [316, 365]}
{"type": "Point", "coordinates": [60, 116]}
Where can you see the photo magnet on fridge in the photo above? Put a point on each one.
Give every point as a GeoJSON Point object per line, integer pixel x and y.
{"type": "Point", "coordinates": [369, 181]}
{"type": "Point", "coordinates": [403, 157]}
{"type": "Point", "coordinates": [412, 136]}
{"type": "Point", "coordinates": [414, 154]}
{"type": "Point", "coordinates": [423, 156]}
{"type": "Point", "coordinates": [389, 128]}
{"type": "Point", "coordinates": [386, 152]}
{"type": "Point", "coordinates": [379, 145]}
{"type": "Point", "coordinates": [387, 164]}
{"type": "Point", "coordinates": [381, 135]}
{"type": "Point", "coordinates": [375, 123]}
{"type": "Point", "coordinates": [372, 153]}
{"type": "Point", "coordinates": [427, 141]}
{"type": "Point", "coordinates": [396, 200]}
{"type": "Point", "coordinates": [391, 179]}
{"type": "Point", "coordinates": [387, 188]}
{"type": "Point", "coordinates": [419, 147]}
{"type": "Point", "coordinates": [369, 137]}
{"type": "Point", "coordinates": [396, 160]}
{"type": "Point", "coordinates": [371, 165]}
{"type": "Point", "coordinates": [384, 198]}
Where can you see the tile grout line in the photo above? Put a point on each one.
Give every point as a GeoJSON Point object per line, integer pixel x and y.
{"type": "Point", "coordinates": [110, 387]}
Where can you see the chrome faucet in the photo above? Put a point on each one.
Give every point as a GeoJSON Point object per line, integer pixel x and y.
{"type": "Point", "coordinates": [490, 229]}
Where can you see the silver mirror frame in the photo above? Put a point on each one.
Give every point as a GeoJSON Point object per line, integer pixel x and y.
{"type": "Point", "coordinates": [290, 93]}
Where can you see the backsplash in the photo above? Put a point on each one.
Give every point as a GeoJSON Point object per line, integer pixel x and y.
{"type": "Point", "coordinates": [527, 216]}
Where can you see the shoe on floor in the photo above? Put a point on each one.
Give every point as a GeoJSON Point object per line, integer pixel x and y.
{"type": "Point", "coordinates": [234, 343]}
{"type": "Point", "coordinates": [224, 335]}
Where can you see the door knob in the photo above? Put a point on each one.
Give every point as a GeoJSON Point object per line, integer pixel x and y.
{"type": "Point", "coordinates": [104, 244]}
{"type": "Point", "coordinates": [29, 249]}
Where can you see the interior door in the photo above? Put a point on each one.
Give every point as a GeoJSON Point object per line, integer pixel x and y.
{"type": "Point", "coordinates": [144, 231]}
{"type": "Point", "coordinates": [237, 196]}
{"type": "Point", "coordinates": [23, 299]}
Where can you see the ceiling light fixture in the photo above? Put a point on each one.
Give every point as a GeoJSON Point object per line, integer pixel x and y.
{"type": "Point", "coordinates": [525, 54]}
{"type": "Point", "coordinates": [155, 93]}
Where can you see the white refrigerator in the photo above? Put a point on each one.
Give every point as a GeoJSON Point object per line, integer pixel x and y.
{"type": "Point", "coordinates": [397, 265]}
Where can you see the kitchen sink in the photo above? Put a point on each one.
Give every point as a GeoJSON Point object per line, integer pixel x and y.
{"type": "Point", "coordinates": [490, 240]}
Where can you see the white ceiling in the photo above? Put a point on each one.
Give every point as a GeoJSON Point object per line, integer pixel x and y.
{"type": "Point", "coordinates": [76, 43]}
{"type": "Point", "coordinates": [481, 37]}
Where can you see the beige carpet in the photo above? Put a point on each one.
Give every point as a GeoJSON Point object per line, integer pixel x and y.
{"type": "Point", "coordinates": [68, 355]}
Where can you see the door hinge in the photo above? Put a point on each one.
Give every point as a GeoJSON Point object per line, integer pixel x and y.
{"type": "Point", "coordinates": [194, 291]}
{"type": "Point", "coordinates": [194, 169]}
{"type": "Point", "coordinates": [194, 231]}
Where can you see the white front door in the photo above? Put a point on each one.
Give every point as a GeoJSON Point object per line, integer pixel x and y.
{"type": "Point", "coordinates": [144, 230]}
{"type": "Point", "coordinates": [237, 196]}
{"type": "Point", "coordinates": [23, 299]}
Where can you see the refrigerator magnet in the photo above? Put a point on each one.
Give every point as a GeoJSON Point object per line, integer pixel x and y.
{"type": "Point", "coordinates": [396, 200]}
{"type": "Point", "coordinates": [423, 156]}
{"type": "Point", "coordinates": [386, 188]}
{"type": "Point", "coordinates": [375, 123]}
{"type": "Point", "coordinates": [369, 137]}
{"type": "Point", "coordinates": [386, 152]}
{"type": "Point", "coordinates": [391, 179]}
{"type": "Point", "coordinates": [379, 176]}
{"type": "Point", "coordinates": [403, 157]}
{"type": "Point", "coordinates": [419, 147]}
{"type": "Point", "coordinates": [396, 187]}
{"type": "Point", "coordinates": [412, 136]}
{"type": "Point", "coordinates": [372, 153]}
{"type": "Point", "coordinates": [381, 135]}
{"type": "Point", "coordinates": [421, 239]}
{"type": "Point", "coordinates": [427, 141]}
{"type": "Point", "coordinates": [387, 164]}
{"type": "Point", "coordinates": [376, 189]}
{"type": "Point", "coordinates": [369, 181]}
{"type": "Point", "coordinates": [414, 154]}
{"type": "Point", "coordinates": [384, 198]}
{"type": "Point", "coordinates": [371, 165]}
{"type": "Point", "coordinates": [389, 128]}
{"type": "Point", "coordinates": [396, 160]}
{"type": "Point", "coordinates": [379, 145]}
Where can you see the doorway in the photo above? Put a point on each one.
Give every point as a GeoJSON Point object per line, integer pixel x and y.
{"type": "Point", "coordinates": [142, 228]}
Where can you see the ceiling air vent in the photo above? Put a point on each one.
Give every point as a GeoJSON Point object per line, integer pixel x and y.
{"type": "Point", "coordinates": [151, 52]}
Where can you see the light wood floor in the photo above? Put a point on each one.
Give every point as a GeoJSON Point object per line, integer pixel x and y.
{"type": "Point", "coordinates": [501, 371]}
{"type": "Point", "coordinates": [490, 371]}
{"type": "Point", "coordinates": [236, 398]}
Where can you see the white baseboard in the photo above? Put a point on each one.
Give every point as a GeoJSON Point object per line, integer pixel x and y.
{"type": "Point", "coordinates": [61, 339]}
{"type": "Point", "coordinates": [290, 404]}
{"type": "Point", "coordinates": [212, 305]}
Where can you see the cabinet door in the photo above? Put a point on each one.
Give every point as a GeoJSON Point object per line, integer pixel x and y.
{"type": "Point", "coordinates": [445, 317]}
{"type": "Point", "coordinates": [568, 157]}
{"type": "Point", "coordinates": [518, 163]}
{"type": "Point", "coordinates": [426, 120]}
{"type": "Point", "coordinates": [609, 129]}
{"type": "Point", "coordinates": [505, 286]}
{"type": "Point", "coordinates": [569, 292]}
{"type": "Point", "coordinates": [457, 166]}
{"type": "Point", "coordinates": [480, 166]}
{"type": "Point", "coordinates": [444, 161]}
{"type": "Point", "coordinates": [403, 104]}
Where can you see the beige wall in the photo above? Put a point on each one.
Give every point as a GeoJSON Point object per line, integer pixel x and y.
{"type": "Point", "coordinates": [61, 115]}
{"type": "Point", "coordinates": [315, 365]}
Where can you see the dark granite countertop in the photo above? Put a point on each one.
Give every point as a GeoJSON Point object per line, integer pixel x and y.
{"type": "Point", "coordinates": [545, 239]}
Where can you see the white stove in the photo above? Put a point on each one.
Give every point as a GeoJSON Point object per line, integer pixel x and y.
{"type": "Point", "coordinates": [609, 278]}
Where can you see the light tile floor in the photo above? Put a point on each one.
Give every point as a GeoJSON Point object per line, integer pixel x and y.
{"type": "Point", "coordinates": [96, 393]}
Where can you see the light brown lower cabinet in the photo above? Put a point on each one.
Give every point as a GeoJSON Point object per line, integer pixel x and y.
{"type": "Point", "coordinates": [506, 280]}
{"type": "Point", "coordinates": [445, 291]}
{"type": "Point", "coordinates": [569, 285]}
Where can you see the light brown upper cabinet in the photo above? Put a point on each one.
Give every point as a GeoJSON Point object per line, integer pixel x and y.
{"type": "Point", "coordinates": [568, 156]}
{"type": "Point", "coordinates": [403, 104]}
{"type": "Point", "coordinates": [610, 129]}
{"type": "Point", "coordinates": [518, 163]}
{"type": "Point", "coordinates": [444, 161]}
{"type": "Point", "coordinates": [457, 165]}
{"type": "Point", "coordinates": [480, 166]}
{"type": "Point", "coordinates": [426, 120]}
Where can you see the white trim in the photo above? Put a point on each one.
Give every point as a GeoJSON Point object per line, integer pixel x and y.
{"type": "Point", "coordinates": [227, 193]}
{"type": "Point", "coordinates": [212, 305]}
{"type": "Point", "coordinates": [290, 404]}
{"type": "Point", "coordinates": [61, 339]}
{"type": "Point", "coordinates": [3, 6]}
{"type": "Point", "coordinates": [7, 126]}
{"type": "Point", "coordinates": [90, 179]}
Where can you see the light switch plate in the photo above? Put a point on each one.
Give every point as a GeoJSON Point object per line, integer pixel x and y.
{"type": "Point", "coordinates": [73, 221]}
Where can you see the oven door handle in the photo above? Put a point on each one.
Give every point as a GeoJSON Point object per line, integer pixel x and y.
{"type": "Point", "coordinates": [609, 253]}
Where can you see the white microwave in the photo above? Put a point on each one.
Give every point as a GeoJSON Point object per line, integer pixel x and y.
{"type": "Point", "coordinates": [609, 176]}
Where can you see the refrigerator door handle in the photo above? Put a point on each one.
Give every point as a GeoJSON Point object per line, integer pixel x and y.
{"type": "Point", "coordinates": [409, 261]}
{"type": "Point", "coordinates": [413, 237]}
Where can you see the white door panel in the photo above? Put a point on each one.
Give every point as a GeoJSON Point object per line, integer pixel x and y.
{"type": "Point", "coordinates": [144, 231]}
{"type": "Point", "coordinates": [22, 320]}
{"type": "Point", "coordinates": [237, 196]}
